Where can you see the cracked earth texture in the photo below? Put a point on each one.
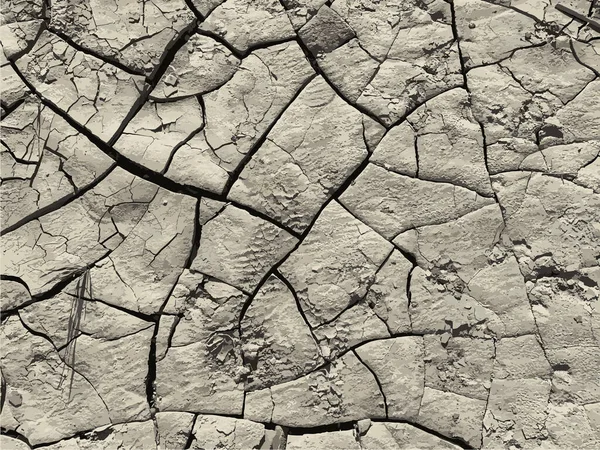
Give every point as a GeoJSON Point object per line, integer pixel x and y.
{"type": "Point", "coordinates": [301, 224]}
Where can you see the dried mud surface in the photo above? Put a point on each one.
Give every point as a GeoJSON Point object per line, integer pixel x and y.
{"type": "Point", "coordinates": [301, 224]}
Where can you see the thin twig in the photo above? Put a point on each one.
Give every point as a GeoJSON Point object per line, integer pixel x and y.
{"type": "Point", "coordinates": [84, 284]}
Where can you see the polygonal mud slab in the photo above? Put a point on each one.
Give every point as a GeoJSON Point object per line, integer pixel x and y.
{"type": "Point", "coordinates": [299, 224]}
{"type": "Point", "coordinates": [137, 34]}
{"type": "Point", "coordinates": [92, 92]}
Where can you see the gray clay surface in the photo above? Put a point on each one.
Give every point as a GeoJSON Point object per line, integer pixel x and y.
{"type": "Point", "coordinates": [301, 224]}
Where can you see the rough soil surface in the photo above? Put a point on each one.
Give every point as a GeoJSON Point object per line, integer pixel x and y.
{"type": "Point", "coordinates": [301, 224]}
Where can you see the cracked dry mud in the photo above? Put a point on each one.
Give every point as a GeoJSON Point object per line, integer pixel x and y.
{"type": "Point", "coordinates": [301, 224]}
